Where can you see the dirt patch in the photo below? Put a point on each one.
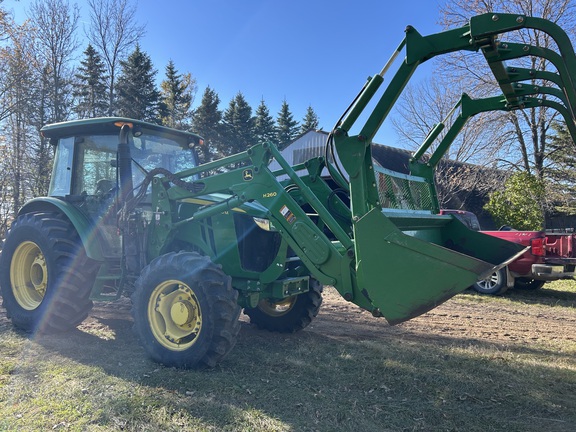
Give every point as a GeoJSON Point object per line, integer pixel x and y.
{"type": "Point", "coordinates": [469, 318]}
{"type": "Point", "coordinates": [465, 319]}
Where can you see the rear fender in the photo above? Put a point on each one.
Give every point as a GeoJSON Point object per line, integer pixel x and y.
{"type": "Point", "coordinates": [82, 224]}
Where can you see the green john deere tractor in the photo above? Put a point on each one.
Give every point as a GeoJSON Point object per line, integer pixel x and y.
{"type": "Point", "coordinates": [131, 212]}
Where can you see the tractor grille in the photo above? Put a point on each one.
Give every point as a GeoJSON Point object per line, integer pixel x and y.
{"type": "Point", "coordinates": [402, 191]}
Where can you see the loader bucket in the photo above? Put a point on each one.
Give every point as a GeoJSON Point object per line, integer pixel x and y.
{"type": "Point", "coordinates": [406, 272]}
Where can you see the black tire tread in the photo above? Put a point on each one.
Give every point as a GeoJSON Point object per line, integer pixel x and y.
{"type": "Point", "coordinates": [223, 309]}
{"type": "Point", "coordinates": [528, 284]}
{"type": "Point", "coordinates": [298, 318]}
{"type": "Point", "coordinates": [70, 283]}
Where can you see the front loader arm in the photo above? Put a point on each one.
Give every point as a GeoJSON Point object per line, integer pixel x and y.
{"type": "Point", "coordinates": [480, 34]}
{"type": "Point", "coordinates": [370, 219]}
{"type": "Point", "coordinates": [329, 260]}
{"type": "Point", "coordinates": [395, 262]}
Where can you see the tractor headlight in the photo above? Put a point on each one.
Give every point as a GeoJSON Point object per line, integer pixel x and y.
{"type": "Point", "coordinates": [263, 224]}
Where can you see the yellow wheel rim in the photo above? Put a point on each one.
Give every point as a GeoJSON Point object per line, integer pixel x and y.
{"type": "Point", "coordinates": [28, 275]}
{"type": "Point", "coordinates": [277, 308]}
{"type": "Point", "coordinates": [174, 315]}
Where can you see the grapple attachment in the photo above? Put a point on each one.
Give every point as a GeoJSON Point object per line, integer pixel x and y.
{"type": "Point", "coordinates": [408, 257]}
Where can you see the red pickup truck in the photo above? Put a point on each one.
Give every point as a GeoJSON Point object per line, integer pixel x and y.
{"type": "Point", "coordinates": [548, 256]}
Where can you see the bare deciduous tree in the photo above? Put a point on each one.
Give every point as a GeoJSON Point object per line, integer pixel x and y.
{"type": "Point", "coordinates": [55, 23]}
{"type": "Point", "coordinates": [505, 140]}
{"type": "Point", "coordinates": [113, 31]}
{"type": "Point", "coordinates": [428, 103]}
{"type": "Point", "coordinates": [19, 97]}
{"type": "Point", "coordinates": [530, 128]}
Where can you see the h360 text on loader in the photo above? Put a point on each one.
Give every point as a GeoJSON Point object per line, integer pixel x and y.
{"type": "Point", "coordinates": [131, 212]}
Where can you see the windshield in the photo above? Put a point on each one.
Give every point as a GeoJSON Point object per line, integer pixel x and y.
{"type": "Point", "coordinates": [153, 151]}
{"type": "Point", "coordinates": [95, 161]}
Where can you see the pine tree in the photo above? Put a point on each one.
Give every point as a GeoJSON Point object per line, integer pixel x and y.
{"type": "Point", "coordinates": [90, 89]}
{"type": "Point", "coordinates": [264, 128]}
{"type": "Point", "coordinates": [287, 127]}
{"type": "Point", "coordinates": [138, 97]}
{"type": "Point", "coordinates": [206, 122]}
{"type": "Point", "coordinates": [310, 121]}
{"type": "Point", "coordinates": [177, 95]}
{"type": "Point", "coordinates": [238, 126]}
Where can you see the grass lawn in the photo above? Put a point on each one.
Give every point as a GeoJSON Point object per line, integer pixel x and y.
{"type": "Point", "coordinates": [476, 363]}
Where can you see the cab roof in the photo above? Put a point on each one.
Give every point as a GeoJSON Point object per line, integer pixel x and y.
{"type": "Point", "coordinates": [111, 125]}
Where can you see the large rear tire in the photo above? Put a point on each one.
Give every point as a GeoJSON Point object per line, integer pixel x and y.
{"type": "Point", "coordinates": [45, 276]}
{"type": "Point", "coordinates": [185, 311]}
{"type": "Point", "coordinates": [289, 315]}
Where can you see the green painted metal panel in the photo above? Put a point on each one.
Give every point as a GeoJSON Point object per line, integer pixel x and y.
{"type": "Point", "coordinates": [404, 276]}
{"type": "Point", "coordinates": [316, 248]}
{"type": "Point", "coordinates": [89, 235]}
{"type": "Point", "coordinates": [110, 125]}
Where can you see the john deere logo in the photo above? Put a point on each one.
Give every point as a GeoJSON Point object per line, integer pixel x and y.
{"type": "Point", "coordinates": [247, 175]}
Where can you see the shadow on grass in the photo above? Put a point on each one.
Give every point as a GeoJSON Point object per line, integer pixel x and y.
{"type": "Point", "coordinates": [544, 296]}
{"type": "Point", "coordinates": [386, 379]}
{"type": "Point", "coordinates": [547, 296]}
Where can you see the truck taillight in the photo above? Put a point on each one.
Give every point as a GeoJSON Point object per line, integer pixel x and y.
{"type": "Point", "coordinates": [538, 246]}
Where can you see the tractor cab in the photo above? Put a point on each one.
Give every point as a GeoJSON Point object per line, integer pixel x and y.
{"type": "Point", "coordinates": [86, 162]}
{"type": "Point", "coordinates": [86, 173]}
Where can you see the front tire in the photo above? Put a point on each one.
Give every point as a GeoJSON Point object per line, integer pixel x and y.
{"type": "Point", "coordinates": [185, 311]}
{"type": "Point", "coordinates": [45, 276]}
{"type": "Point", "coordinates": [290, 314]}
{"type": "Point", "coordinates": [495, 284]}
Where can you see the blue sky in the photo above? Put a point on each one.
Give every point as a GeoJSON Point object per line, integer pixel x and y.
{"type": "Point", "coordinates": [316, 53]}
